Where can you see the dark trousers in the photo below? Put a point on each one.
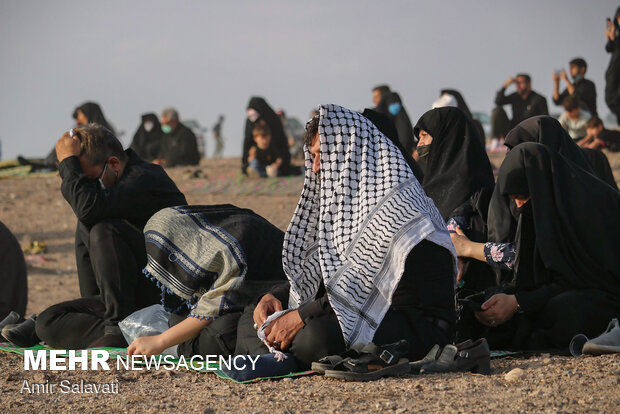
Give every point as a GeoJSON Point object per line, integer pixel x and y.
{"type": "Point", "coordinates": [110, 257]}
{"type": "Point", "coordinates": [217, 338]}
{"type": "Point", "coordinates": [586, 311]}
{"type": "Point", "coordinates": [322, 336]}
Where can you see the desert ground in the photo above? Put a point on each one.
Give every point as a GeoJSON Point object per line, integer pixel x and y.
{"type": "Point", "coordinates": [34, 210]}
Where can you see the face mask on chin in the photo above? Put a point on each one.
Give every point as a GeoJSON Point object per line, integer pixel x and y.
{"type": "Point", "coordinates": [423, 152]}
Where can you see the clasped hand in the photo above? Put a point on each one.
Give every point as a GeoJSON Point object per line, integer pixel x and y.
{"type": "Point", "coordinates": [497, 310]}
{"type": "Point", "coordinates": [280, 332]}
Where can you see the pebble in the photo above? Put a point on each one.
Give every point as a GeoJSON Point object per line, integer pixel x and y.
{"type": "Point", "coordinates": [514, 375]}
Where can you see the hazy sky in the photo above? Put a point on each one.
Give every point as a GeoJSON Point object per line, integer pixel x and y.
{"type": "Point", "coordinates": [208, 57]}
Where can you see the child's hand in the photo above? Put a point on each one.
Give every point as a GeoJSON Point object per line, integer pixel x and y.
{"type": "Point", "coordinates": [146, 345]}
{"type": "Point", "coordinates": [252, 153]}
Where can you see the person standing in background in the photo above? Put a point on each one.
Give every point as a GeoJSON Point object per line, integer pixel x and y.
{"type": "Point", "coordinates": [612, 75]}
{"type": "Point", "coordinates": [217, 136]}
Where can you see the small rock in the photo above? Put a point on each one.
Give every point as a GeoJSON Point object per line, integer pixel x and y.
{"type": "Point", "coordinates": [287, 379]}
{"type": "Point", "coordinates": [514, 375]}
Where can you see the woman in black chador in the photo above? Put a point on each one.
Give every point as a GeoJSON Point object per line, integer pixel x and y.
{"type": "Point", "coordinates": [566, 262]}
{"type": "Point", "coordinates": [259, 109]}
{"type": "Point", "coordinates": [452, 158]}
{"type": "Point", "coordinates": [147, 139]}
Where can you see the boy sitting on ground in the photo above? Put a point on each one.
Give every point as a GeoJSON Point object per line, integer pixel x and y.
{"type": "Point", "coordinates": [263, 158]}
{"type": "Point", "coordinates": [574, 119]}
{"type": "Point", "coordinates": [598, 137]}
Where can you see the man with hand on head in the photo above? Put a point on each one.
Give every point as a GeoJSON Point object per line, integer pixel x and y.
{"type": "Point", "coordinates": [113, 193]}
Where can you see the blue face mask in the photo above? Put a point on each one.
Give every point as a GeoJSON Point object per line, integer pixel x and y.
{"type": "Point", "coordinates": [577, 77]}
{"type": "Point", "coordinates": [395, 108]}
{"type": "Point", "coordinates": [166, 129]}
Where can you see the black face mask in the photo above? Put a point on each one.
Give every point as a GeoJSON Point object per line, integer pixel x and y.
{"type": "Point", "coordinates": [423, 152]}
{"type": "Point", "coordinates": [526, 209]}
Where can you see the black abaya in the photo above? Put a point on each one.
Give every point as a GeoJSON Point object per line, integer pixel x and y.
{"type": "Point", "coordinates": [279, 142]}
{"type": "Point", "coordinates": [147, 144]}
{"type": "Point", "coordinates": [457, 165]}
{"type": "Point", "coordinates": [612, 75]}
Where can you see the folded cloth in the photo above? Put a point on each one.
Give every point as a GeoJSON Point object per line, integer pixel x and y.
{"type": "Point", "coordinates": [279, 355]}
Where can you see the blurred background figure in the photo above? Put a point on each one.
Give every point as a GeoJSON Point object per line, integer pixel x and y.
{"type": "Point", "coordinates": [574, 118]}
{"type": "Point", "coordinates": [524, 101]}
{"type": "Point", "coordinates": [580, 87]}
{"type": "Point", "coordinates": [217, 136]}
{"type": "Point", "coordinates": [598, 136]}
{"type": "Point", "coordinates": [147, 139]}
{"type": "Point", "coordinates": [294, 131]}
{"type": "Point", "coordinates": [179, 145]}
{"type": "Point", "coordinates": [452, 97]}
{"type": "Point", "coordinates": [612, 75]}
{"type": "Point", "coordinates": [388, 102]}
{"type": "Point", "coordinates": [259, 110]}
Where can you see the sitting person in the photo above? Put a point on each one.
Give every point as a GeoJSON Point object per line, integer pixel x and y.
{"type": "Point", "coordinates": [214, 260]}
{"type": "Point", "coordinates": [259, 110]}
{"type": "Point", "coordinates": [367, 254]}
{"type": "Point", "coordinates": [113, 193]}
{"type": "Point", "coordinates": [597, 137]}
{"type": "Point", "coordinates": [179, 145]}
{"type": "Point", "coordinates": [14, 296]}
{"type": "Point", "coordinates": [263, 159]}
{"type": "Point", "coordinates": [147, 139]}
{"type": "Point", "coordinates": [574, 119]}
{"type": "Point", "coordinates": [566, 264]}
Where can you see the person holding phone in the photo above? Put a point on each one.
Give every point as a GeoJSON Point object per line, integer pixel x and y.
{"type": "Point", "coordinates": [612, 75]}
{"type": "Point", "coordinates": [580, 87]}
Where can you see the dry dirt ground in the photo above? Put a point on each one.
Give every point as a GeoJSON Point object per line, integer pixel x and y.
{"type": "Point", "coordinates": [34, 209]}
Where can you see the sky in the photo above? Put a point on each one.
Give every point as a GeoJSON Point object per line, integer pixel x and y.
{"type": "Point", "coordinates": [207, 58]}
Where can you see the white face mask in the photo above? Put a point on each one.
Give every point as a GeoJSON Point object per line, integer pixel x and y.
{"type": "Point", "coordinates": [253, 115]}
{"type": "Point", "coordinates": [148, 125]}
{"type": "Point", "coordinates": [102, 174]}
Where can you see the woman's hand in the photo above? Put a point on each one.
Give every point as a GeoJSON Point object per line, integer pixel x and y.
{"type": "Point", "coordinates": [497, 310]}
{"type": "Point", "coordinates": [146, 345]}
{"type": "Point", "coordinates": [461, 242]}
{"type": "Point", "coordinates": [281, 332]}
{"type": "Point", "coordinates": [267, 305]}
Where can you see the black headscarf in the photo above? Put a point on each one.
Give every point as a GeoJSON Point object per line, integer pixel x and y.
{"type": "Point", "coordinates": [460, 102]}
{"type": "Point", "coordinates": [557, 241]}
{"type": "Point", "coordinates": [279, 142]}
{"type": "Point", "coordinates": [387, 128]}
{"type": "Point", "coordinates": [600, 164]}
{"type": "Point", "coordinates": [457, 165]}
{"type": "Point", "coordinates": [93, 113]}
{"type": "Point", "coordinates": [401, 121]}
{"type": "Point", "coordinates": [145, 143]}
{"type": "Point", "coordinates": [543, 130]}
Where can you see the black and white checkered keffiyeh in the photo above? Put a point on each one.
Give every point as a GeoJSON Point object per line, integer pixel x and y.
{"type": "Point", "coordinates": [356, 222]}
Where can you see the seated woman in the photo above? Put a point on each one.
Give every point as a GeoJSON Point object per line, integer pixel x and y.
{"type": "Point", "coordinates": [367, 254]}
{"type": "Point", "coordinates": [457, 171]}
{"type": "Point", "coordinates": [452, 157]}
{"type": "Point", "coordinates": [213, 261]}
{"type": "Point", "coordinates": [566, 263]}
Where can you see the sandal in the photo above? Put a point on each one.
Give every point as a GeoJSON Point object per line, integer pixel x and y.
{"type": "Point", "coordinates": [473, 357]}
{"type": "Point", "coordinates": [374, 362]}
{"type": "Point", "coordinates": [432, 355]}
{"type": "Point", "coordinates": [330, 361]}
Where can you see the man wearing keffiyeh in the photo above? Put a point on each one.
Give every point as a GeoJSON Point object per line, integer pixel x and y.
{"type": "Point", "coordinates": [367, 254]}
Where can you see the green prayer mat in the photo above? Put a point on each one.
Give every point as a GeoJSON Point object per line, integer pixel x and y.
{"type": "Point", "coordinates": [122, 353]}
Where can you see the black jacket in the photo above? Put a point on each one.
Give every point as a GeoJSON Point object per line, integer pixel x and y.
{"type": "Point", "coordinates": [585, 91]}
{"type": "Point", "coordinates": [142, 190]}
{"type": "Point", "coordinates": [180, 147]}
{"type": "Point", "coordinates": [534, 104]}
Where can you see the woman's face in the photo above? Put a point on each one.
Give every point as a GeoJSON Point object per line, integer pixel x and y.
{"type": "Point", "coordinates": [81, 118]}
{"type": "Point", "coordinates": [519, 199]}
{"type": "Point", "coordinates": [315, 151]}
{"type": "Point", "coordinates": [424, 138]}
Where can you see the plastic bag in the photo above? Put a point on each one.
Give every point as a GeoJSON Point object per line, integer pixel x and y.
{"type": "Point", "coordinates": [149, 321]}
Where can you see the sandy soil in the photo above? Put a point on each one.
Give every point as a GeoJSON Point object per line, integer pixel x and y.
{"type": "Point", "coordinates": [34, 209]}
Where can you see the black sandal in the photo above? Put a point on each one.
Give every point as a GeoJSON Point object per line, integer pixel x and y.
{"type": "Point", "coordinates": [374, 362]}
{"type": "Point", "coordinates": [330, 361]}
